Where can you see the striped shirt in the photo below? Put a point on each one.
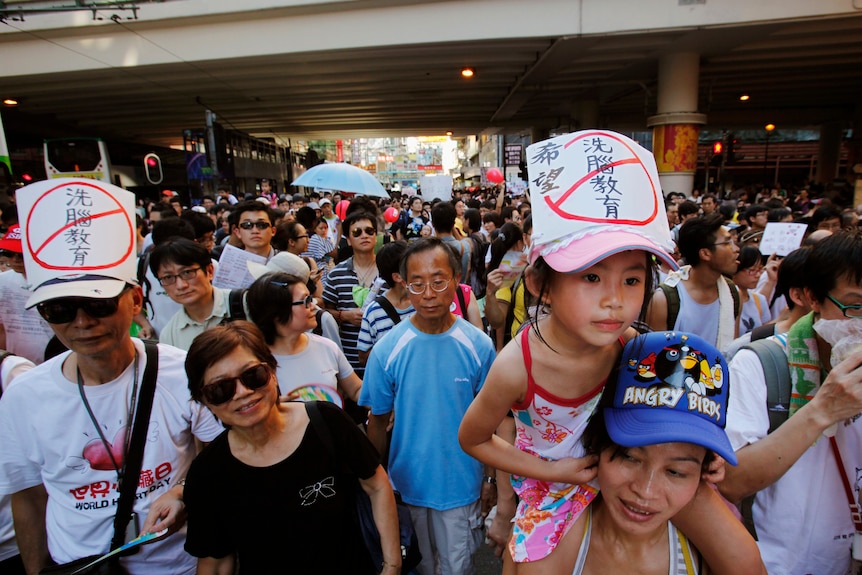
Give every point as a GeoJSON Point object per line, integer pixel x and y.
{"type": "Point", "coordinates": [338, 292]}
{"type": "Point", "coordinates": [376, 322]}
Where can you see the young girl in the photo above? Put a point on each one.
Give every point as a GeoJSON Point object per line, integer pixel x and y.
{"type": "Point", "coordinates": [755, 309]}
{"type": "Point", "coordinates": [596, 274]}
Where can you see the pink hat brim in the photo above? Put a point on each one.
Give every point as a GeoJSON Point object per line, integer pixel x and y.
{"type": "Point", "coordinates": [589, 250]}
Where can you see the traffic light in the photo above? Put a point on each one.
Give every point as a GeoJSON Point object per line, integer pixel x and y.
{"type": "Point", "coordinates": [153, 168]}
{"type": "Point", "coordinates": [732, 156]}
{"type": "Point", "coordinates": [717, 148]}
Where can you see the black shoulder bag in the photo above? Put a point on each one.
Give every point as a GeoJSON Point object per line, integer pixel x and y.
{"type": "Point", "coordinates": [128, 483]}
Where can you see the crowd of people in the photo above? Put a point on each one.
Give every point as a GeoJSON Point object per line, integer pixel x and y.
{"type": "Point", "coordinates": [581, 395]}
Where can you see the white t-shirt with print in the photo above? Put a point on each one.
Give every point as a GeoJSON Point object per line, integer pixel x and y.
{"type": "Point", "coordinates": [48, 438]}
{"type": "Point", "coordinates": [803, 519]}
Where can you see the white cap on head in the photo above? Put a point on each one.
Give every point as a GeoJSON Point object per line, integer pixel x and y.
{"type": "Point", "coordinates": [282, 262]}
{"type": "Point", "coordinates": [78, 238]}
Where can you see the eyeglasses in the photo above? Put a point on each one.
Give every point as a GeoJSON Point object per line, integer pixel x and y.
{"type": "Point", "coordinates": [10, 254]}
{"type": "Point", "coordinates": [185, 275]}
{"type": "Point", "coordinates": [755, 271]}
{"type": "Point", "coordinates": [852, 311]}
{"type": "Point", "coordinates": [300, 237]}
{"type": "Point", "coordinates": [356, 232]}
{"type": "Point", "coordinates": [724, 243]}
{"type": "Point", "coordinates": [418, 288]}
{"type": "Point", "coordinates": [258, 225]}
{"type": "Point", "coordinates": [308, 302]}
{"type": "Point", "coordinates": [222, 390]}
{"type": "Point", "coordinates": [64, 310]}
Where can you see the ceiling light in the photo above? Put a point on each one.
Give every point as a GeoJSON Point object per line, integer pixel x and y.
{"type": "Point", "coordinates": [449, 133]}
{"type": "Point", "coordinates": [744, 97]}
{"type": "Point", "coordinates": [10, 102]}
{"type": "Point", "coordinates": [467, 72]}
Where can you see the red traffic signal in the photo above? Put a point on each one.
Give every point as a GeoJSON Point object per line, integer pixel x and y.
{"type": "Point", "coordinates": [153, 168]}
{"type": "Point", "coordinates": [716, 148]}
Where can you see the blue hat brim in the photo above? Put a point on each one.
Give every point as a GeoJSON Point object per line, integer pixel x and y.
{"type": "Point", "coordinates": [638, 427]}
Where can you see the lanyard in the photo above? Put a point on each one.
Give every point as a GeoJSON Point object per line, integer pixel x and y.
{"type": "Point", "coordinates": [98, 427]}
{"type": "Point", "coordinates": [854, 507]}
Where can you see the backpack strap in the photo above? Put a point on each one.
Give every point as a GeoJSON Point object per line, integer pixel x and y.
{"type": "Point", "coordinates": [236, 309]}
{"type": "Point", "coordinates": [776, 372]}
{"type": "Point", "coordinates": [671, 295]}
{"type": "Point", "coordinates": [461, 302]}
{"type": "Point", "coordinates": [388, 308]}
{"type": "Point", "coordinates": [763, 331]}
{"type": "Point", "coordinates": [734, 292]}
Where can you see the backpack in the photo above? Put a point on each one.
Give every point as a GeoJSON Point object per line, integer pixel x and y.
{"type": "Point", "coordinates": [672, 296]}
{"type": "Point", "coordinates": [776, 372]}
{"type": "Point", "coordinates": [235, 307]}
{"type": "Point", "coordinates": [477, 264]}
{"type": "Point", "coordinates": [390, 309]}
{"type": "Point", "coordinates": [143, 264]}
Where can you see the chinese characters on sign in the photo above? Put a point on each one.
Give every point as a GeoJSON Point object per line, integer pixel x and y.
{"type": "Point", "coordinates": [77, 235]}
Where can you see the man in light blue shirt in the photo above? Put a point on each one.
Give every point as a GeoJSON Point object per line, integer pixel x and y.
{"type": "Point", "coordinates": [427, 370]}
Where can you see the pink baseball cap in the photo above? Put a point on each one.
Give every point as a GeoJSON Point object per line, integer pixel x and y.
{"type": "Point", "coordinates": [596, 193]}
{"type": "Point", "coordinates": [588, 250]}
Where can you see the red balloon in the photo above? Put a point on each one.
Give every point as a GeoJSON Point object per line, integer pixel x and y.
{"type": "Point", "coordinates": [341, 209]}
{"type": "Point", "coordinates": [495, 176]}
{"type": "Point", "coordinates": [391, 214]}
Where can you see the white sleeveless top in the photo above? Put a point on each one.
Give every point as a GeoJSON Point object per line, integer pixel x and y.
{"type": "Point", "coordinates": [684, 559]}
{"type": "Point", "coordinates": [697, 318]}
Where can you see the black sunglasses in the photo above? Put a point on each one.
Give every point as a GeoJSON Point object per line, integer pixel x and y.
{"type": "Point", "coordinates": [356, 232]}
{"type": "Point", "coordinates": [258, 225]}
{"type": "Point", "coordinates": [223, 390]}
{"type": "Point", "coordinates": [64, 310]}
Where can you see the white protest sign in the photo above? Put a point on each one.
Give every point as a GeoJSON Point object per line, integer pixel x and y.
{"type": "Point", "coordinates": [436, 187]}
{"type": "Point", "coordinates": [74, 227]}
{"type": "Point", "coordinates": [592, 181]}
{"type": "Point", "coordinates": [232, 271]}
{"type": "Point", "coordinates": [781, 238]}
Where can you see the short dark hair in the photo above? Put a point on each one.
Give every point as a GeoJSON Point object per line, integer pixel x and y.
{"type": "Point", "coordinates": [270, 302]}
{"type": "Point", "coordinates": [473, 219]}
{"type": "Point", "coordinates": [173, 227]}
{"type": "Point", "coordinates": [306, 216]}
{"type": "Point", "coordinates": [216, 343]}
{"type": "Point", "coordinates": [201, 223]}
{"type": "Point", "coordinates": [752, 211]}
{"type": "Point", "coordinates": [822, 214]}
{"type": "Point", "coordinates": [179, 251]}
{"type": "Point", "coordinates": [791, 274]}
{"type": "Point", "coordinates": [388, 260]}
{"type": "Point", "coordinates": [443, 217]}
{"type": "Point", "coordinates": [697, 233]}
{"type": "Point", "coordinates": [687, 208]}
{"type": "Point", "coordinates": [492, 217]}
{"type": "Point", "coordinates": [251, 206]}
{"type": "Point", "coordinates": [426, 245]}
{"type": "Point", "coordinates": [833, 258]}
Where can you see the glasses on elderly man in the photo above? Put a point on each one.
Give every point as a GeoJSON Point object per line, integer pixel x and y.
{"type": "Point", "coordinates": [64, 310]}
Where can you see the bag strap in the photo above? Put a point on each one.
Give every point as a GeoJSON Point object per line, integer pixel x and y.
{"type": "Point", "coordinates": [235, 307]}
{"type": "Point", "coordinates": [135, 456]}
{"type": "Point", "coordinates": [763, 331]}
{"type": "Point", "coordinates": [672, 298]}
{"type": "Point", "coordinates": [776, 372]}
{"type": "Point", "coordinates": [848, 490]}
{"type": "Point", "coordinates": [388, 308]}
{"type": "Point", "coordinates": [461, 301]}
{"type": "Point", "coordinates": [318, 315]}
{"type": "Point", "coordinates": [322, 430]}
{"type": "Point", "coordinates": [734, 293]}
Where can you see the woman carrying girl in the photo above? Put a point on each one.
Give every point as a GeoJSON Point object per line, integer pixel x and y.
{"type": "Point", "coordinates": [592, 263]}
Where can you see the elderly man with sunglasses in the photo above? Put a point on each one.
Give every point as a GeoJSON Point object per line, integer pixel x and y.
{"type": "Point", "coordinates": [66, 424]}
